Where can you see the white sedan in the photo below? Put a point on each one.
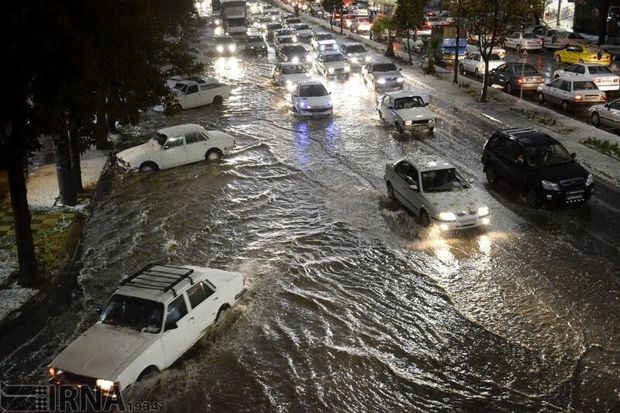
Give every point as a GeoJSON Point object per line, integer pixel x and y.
{"type": "Point", "coordinates": [602, 76]}
{"type": "Point", "coordinates": [332, 64]}
{"type": "Point", "coordinates": [311, 98]}
{"type": "Point", "coordinates": [406, 111]}
{"type": "Point", "coordinates": [606, 115]}
{"type": "Point", "coordinates": [289, 74]}
{"type": "Point", "coordinates": [523, 41]}
{"type": "Point", "coordinates": [175, 146]}
{"type": "Point", "coordinates": [474, 63]}
{"type": "Point", "coordinates": [569, 92]}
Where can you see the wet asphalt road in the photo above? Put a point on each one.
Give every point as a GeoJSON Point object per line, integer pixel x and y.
{"type": "Point", "coordinates": [352, 305]}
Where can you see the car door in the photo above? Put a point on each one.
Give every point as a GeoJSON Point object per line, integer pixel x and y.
{"type": "Point", "coordinates": [196, 146]}
{"type": "Point", "coordinates": [498, 76]}
{"type": "Point", "coordinates": [388, 109]}
{"type": "Point", "coordinates": [173, 152]}
{"type": "Point", "coordinates": [178, 333]}
{"type": "Point", "coordinates": [192, 97]}
{"type": "Point", "coordinates": [553, 90]}
{"type": "Point", "coordinates": [514, 156]}
{"type": "Point", "coordinates": [610, 115]}
{"type": "Point", "coordinates": [406, 176]}
{"type": "Point", "coordinates": [204, 304]}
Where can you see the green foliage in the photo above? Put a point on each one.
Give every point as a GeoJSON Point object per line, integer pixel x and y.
{"type": "Point", "coordinates": [432, 52]}
{"type": "Point", "coordinates": [603, 146]}
{"type": "Point", "coordinates": [408, 15]}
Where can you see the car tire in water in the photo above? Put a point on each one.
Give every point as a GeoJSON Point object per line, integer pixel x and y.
{"type": "Point", "coordinates": [381, 116]}
{"type": "Point", "coordinates": [148, 167]}
{"type": "Point", "coordinates": [462, 69]}
{"type": "Point", "coordinates": [533, 198]}
{"type": "Point", "coordinates": [595, 119]}
{"type": "Point", "coordinates": [399, 128]}
{"type": "Point", "coordinates": [509, 88]}
{"type": "Point", "coordinates": [565, 106]}
{"type": "Point", "coordinates": [541, 98]}
{"type": "Point", "coordinates": [221, 314]}
{"type": "Point", "coordinates": [390, 192]}
{"type": "Point", "coordinates": [218, 100]}
{"type": "Point", "coordinates": [148, 373]}
{"type": "Point", "coordinates": [425, 219]}
{"type": "Point", "coordinates": [213, 155]}
{"type": "Point", "coordinates": [491, 175]}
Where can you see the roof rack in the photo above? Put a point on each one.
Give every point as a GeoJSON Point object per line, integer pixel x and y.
{"type": "Point", "coordinates": [159, 277]}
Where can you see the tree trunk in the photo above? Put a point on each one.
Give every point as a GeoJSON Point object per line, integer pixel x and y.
{"type": "Point", "coordinates": [331, 22]}
{"type": "Point", "coordinates": [483, 94]}
{"type": "Point", "coordinates": [76, 168]}
{"type": "Point", "coordinates": [101, 131]}
{"type": "Point", "coordinates": [341, 23]}
{"type": "Point", "coordinates": [22, 219]}
{"type": "Point", "coordinates": [603, 12]}
{"type": "Point", "coordinates": [66, 184]}
{"type": "Point", "coordinates": [456, 55]}
{"type": "Point", "coordinates": [390, 47]}
{"type": "Point", "coordinates": [409, 47]}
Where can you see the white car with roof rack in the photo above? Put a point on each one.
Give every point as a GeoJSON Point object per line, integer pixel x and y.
{"type": "Point", "coordinates": [151, 320]}
{"type": "Point", "coordinates": [175, 146]}
{"type": "Point", "coordinates": [437, 193]}
{"type": "Point", "coordinates": [601, 75]}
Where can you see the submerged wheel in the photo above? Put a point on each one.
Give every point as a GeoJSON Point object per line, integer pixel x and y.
{"type": "Point", "coordinates": [533, 199]}
{"type": "Point", "coordinates": [541, 98]}
{"type": "Point", "coordinates": [509, 88]}
{"type": "Point", "coordinates": [425, 220]}
{"type": "Point", "coordinates": [595, 119]}
{"type": "Point", "coordinates": [565, 106]}
{"type": "Point", "coordinates": [213, 155]}
{"type": "Point", "coordinates": [148, 167]}
{"type": "Point", "coordinates": [148, 373]}
{"type": "Point", "coordinates": [221, 314]}
{"type": "Point", "coordinates": [462, 69]}
{"type": "Point", "coordinates": [491, 175]}
{"type": "Point", "coordinates": [399, 128]}
{"type": "Point", "coordinates": [218, 100]}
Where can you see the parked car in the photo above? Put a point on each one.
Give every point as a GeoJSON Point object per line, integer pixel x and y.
{"type": "Point", "coordinates": [356, 54]}
{"type": "Point", "coordinates": [311, 98]}
{"type": "Point", "coordinates": [223, 45]}
{"type": "Point", "coordinates": [472, 48]}
{"type": "Point", "coordinates": [382, 75]}
{"type": "Point", "coordinates": [196, 91]}
{"type": "Point", "coordinates": [569, 93]}
{"type": "Point", "coordinates": [295, 53]}
{"type": "Point", "coordinates": [546, 35]}
{"type": "Point", "coordinates": [152, 319]}
{"type": "Point", "coordinates": [174, 146]}
{"type": "Point", "coordinates": [292, 20]}
{"type": "Point", "coordinates": [360, 25]}
{"type": "Point", "coordinates": [606, 115]}
{"type": "Point", "coordinates": [406, 110]}
{"type": "Point", "coordinates": [582, 54]}
{"type": "Point", "coordinates": [536, 164]}
{"type": "Point", "coordinates": [437, 193]}
{"type": "Point", "coordinates": [254, 43]}
{"type": "Point", "coordinates": [562, 39]}
{"type": "Point", "coordinates": [329, 45]}
{"type": "Point", "coordinates": [320, 36]}
{"type": "Point", "coordinates": [332, 65]}
{"type": "Point", "coordinates": [523, 41]}
{"type": "Point", "coordinates": [474, 64]}
{"type": "Point", "coordinates": [602, 76]}
{"type": "Point", "coordinates": [514, 76]}
{"type": "Point", "coordinates": [289, 74]}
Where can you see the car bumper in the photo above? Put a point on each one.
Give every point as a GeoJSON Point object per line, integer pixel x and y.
{"type": "Point", "coordinates": [389, 86]}
{"type": "Point", "coordinates": [120, 165]}
{"type": "Point", "coordinates": [463, 223]}
{"type": "Point", "coordinates": [312, 114]}
{"type": "Point", "coordinates": [572, 197]}
{"type": "Point", "coordinates": [609, 88]}
{"type": "Point", "coordinates": [527, 86]}
{"type": "Point", "coordinates": [419, 126]}
{"type": "Point", "coordinates": [339, 76]}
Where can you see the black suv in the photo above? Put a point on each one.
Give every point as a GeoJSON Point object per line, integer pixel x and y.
{"type": "Point", "coordinates": [538, 164]}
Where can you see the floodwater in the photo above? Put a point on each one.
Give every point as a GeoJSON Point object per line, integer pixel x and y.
{"type": "Point", "coordinates": [352, 306]}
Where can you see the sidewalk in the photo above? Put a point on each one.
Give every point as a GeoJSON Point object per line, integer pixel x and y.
{"type": "Point", "coordinates": [56, 229]}
{"type": "Point", "coordinates": [502, 110]}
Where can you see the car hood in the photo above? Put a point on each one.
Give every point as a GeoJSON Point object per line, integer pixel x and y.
{"type": "Point", "coordinates": [467, 200]}
{"type": "Point", "coordinates": [380, 75]}
{"type": "Point", "coordinates": [561, 172]}
{"type": "Point", "coordinates": [316, 100]}
{"type": "Point", "coordinates": [415, 113]}
{"type": "Point", "coordinates": [336, 65]}
{"type": "Point", "coordinates": [360, 56]}
{"type": "Point", "coordinates": [296, 77]}
{"type": "Point", "coordinates": [103, 351]}
{"type": "Point", "coordinates": [137, 151]}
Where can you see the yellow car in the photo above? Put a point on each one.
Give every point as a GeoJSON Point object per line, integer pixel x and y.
{"type": "Point", "coordinates": [577, 53]}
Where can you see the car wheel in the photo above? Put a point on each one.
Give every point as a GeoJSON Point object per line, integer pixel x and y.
{"type": "Point", "coordinates": [381, 116]}
{"type": "Point", "coordinates": [462, 69]}
{"type": "Point", "coordinates": [595, 119]}
{"type": "Point", "coordinates": [213, 154]}
{"type": "Point", "coordinates": [565, 106]}
{"type": "Point", "coordinates": [558, 59]}
{"type": "Point", "coordinates": [221, 314]}
{"type": "Point", "coordinates": [509, 88]}
{"type": "Point", "coordinates": [399, 128]}
{"type": "Point", "coordinates": [218, 100]}
{"type": "Point", "coordinates": [390, 192]}
{"type": "Point", "coordinates": [533, 199]}
{"type": "Point", "coordinates": [148, 167]}
{"type": "Point", "coordinates": [148, 373]}
{"type": "Point", "coordinates": [491, 175]}
{"type": "Point", "coordinates": [425, 220]}
{"type": "Point", "coordinates": [541, 98]}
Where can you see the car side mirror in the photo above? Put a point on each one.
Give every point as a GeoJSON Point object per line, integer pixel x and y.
{"type": "Point", "coordinates": [493, 70]}
{"type": "Point", "coordinates": [171, 325]}
{"type": "Point", "coordinates": [413, 187]}
{"type": "Point", "coordinates": [607, 105]}
{"type": "Point", "coordinates": [390, 106]}
{"type": "Point", "coordinates": [573, 155]}
{"type": "Point", "coordinates": [400, 69]}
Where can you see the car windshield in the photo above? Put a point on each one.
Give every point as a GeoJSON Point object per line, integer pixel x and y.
{"type": "Point", "coordinates": [384, 67]}
{"type": "Point", "coordinates": [324, 36]}
{"type": "Point", "coordinates": [293, 49]}
{"type": "Point", "coordinates": [547, 155]}
{"type": "Point", "coordinates": [284, 32]}
{"type": "Point", "coordinates": [358, 48]}
{"type": "Point", "coordinates": [253, 39]}
{"type": "Point", "coordinates": [236, 22]}
{"type": "Point", "coordinates": [301, 27]}
{"type": "Point", "coordinates": [334, 58]}
{"type": "Point", "coordinates": [312, 90]}
{"type": "Point", "coordinates": [292, 69]}
{"type": "Point", "coordinates": [525, 69]}
{"type": "Point", "coordinates": [599, 70]}
{"type": "Point", "coordinates": [494, 56]}
{"type": "Point", "coordinates": [408, 102]}
{"type": "Point", "coordinates": [585, 85]}
{"type": "Point", "coordinates": [160, 138]}
{"type": "Point", "coordinates": [529, 36]}
{"type": "Point", "coordinates": [135, 313]}
{"type": "Point", "coordinates": [443, 180]}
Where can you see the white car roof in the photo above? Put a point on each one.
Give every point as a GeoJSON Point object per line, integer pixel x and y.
{"type": "Point", "coordinates": [353, 44]}
{"type": "Point", "coordinates": [330, 52]}
{"type": "Point", "coordinates": [404, 93]}
{"type": "Point", "coordinates": [425, 163]}
{"type": "Point", "coordinates": [310, 82]}
{"type": "Point", "coordinates": [181, 129]}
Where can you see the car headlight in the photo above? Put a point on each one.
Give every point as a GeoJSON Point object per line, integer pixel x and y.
{"type": "Point", "coordinates": [220, 48]}
{"type": "Point", "coordinates": [381, 81]}
{"type": "Point", "coordinates": [308, 58]}
{"type": "Point", "coordinates": [408, 123]}
{"type": "Point", "coordinates": [483, 211]}
{"type": "Point", "coordinates": [295, 39]}
{"type": "Point", "coordinates": [295, 59]}
{"type": "Point", "coordinates": [368, 58]}
{"type": "Point", "coordinates": [231, 47]}
{"type": "Point", "coordinates": [105, 385]}
{"type": "Point", "coordinates": [400, 80]}
{"type": "Point", "coordinates": [330, 70]}
{"type": "Point", "coordinates": [355, 60]}
{"type": "Point", "coordinates": [330, 103]}
{"type": "Point", "coordinates": [290, 86]}
{"type": "Point", "coordinates": [550, 186]}
{"type": "Point", "coordinates": [347, 68]}
{"type": "Point", "coordinates": [589, 180]}
{"type": "Point", "coordinates": [447, 216]}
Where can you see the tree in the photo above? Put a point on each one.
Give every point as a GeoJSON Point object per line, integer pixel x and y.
{"type": "Point", "coordinates": [407, 18]}
{"type": "Point", "coordinates": [432, 49]}
{"type": "Point", "coordinates": [488, 21]}
{"type": "Point", "coordinates": [333, 7]}
{"type": "Point", "coordinates": [386, 23]}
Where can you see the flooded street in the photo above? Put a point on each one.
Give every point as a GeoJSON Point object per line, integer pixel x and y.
{"type": "Point", "coordinates": [352, 305]}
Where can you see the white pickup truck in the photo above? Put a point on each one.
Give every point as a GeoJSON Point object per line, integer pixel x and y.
{"type": "Point", "coordinates": [154, 317]}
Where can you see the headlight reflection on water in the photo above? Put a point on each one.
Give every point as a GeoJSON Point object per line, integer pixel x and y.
{"type": "Point", "coordinates": [228, 68]}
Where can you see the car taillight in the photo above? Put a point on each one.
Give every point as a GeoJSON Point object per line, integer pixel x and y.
{"type": "Point", "coordinates": [427, 25]}
{"type": "Point", "coordinates": [603, 96]}
{"type": "Point", "coordinates": [519, 80]}
{"type": "Point", "coordinates": [616, 80]}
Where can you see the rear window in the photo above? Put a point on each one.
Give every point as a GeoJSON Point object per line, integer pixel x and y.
{"type": "Point", "coordinates": [358, 48]}
{"type": "Point", "coordinates": [599, 70]}
{"type": "Point", "coordinates": [525, 69]}
{"type": "Point", "coordinates": [529, 36]}
{"type": "Point", "coordinates": [293, 49]}
{"type": "Point", "coordinates": [312, 90]}
{"type": "Point", "coordinates": [585, 85]}
{"type": "Point", "coordinates": [385, 67]}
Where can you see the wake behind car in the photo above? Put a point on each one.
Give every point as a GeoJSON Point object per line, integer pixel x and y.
{"type": "Point", "coordinates": [174, 146]}
{"type": "Point", "coordinates": [332, 65]}
{"type": "Point", "coordinates": [406, 110]}
{"type": "Point", "coordinates": [382, 75]}
{"type": "Point", "coordinates": [536, 164]}
{"type": "Point", "coordinates": [311, 98]}
{"type": "Point", "coordinates": [294, 53]}
{"type": "Point", "coordinates": [569, 93]}
{"type": "Point", "coordinates": [289, 74]}
{"type": "Point", "coordinates": [152, 319]}
{"type": "Point", "coordinates": [437, 193]}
